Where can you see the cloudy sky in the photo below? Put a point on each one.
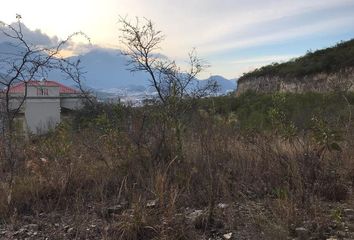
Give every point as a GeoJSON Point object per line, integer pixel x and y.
{"type": "Point", "coordinates": [234, 36]}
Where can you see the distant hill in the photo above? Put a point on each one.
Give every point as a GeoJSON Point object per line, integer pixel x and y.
{"type": "Point", "coordinates": [225, 85]}
{"type": "Point", "coordinates": [6, 48]}
{"type": "Point", "coordinates": [106, 69]}
{"type": "Point", "coordinates": [315, 72]}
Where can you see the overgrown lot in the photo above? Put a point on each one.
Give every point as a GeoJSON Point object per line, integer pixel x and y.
{"type": "Point", "coordinates": [257, 166]}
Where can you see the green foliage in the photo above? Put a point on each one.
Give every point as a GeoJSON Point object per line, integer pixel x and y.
{"type": "Point", "coordinates": [287, 113]}
{"type": "Point", "coordinates": [337, 215]}
{"type": "Point", "coordinates": [325, 136]}
{"type": "Point", "coordinates": [327, 60]}
{"type": "Point", "coordinates": [102, 116]}
{"type": "Point", "coordinates": [279, 118]}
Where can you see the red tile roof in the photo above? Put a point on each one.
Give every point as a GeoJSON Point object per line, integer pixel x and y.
{"type": "Point", "coordinates": [19, 88]}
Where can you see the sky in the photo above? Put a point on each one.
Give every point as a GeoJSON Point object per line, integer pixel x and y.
{"type": "Point", "coordinates": [233, 36]}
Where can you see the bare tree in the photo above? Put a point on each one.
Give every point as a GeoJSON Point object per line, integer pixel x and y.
{"type": "Point", "coordinates": [142, 41]}
{"type": "Point", "coordinates": [176, 88]}
{"type": "Point", "coordinates": [26, 62]}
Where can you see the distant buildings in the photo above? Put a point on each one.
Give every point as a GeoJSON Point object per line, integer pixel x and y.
{"type": "Point", "coordinates": [45, 104]}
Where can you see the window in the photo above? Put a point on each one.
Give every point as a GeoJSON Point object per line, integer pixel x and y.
{"type": "Point", "coordinates": [42, 92]}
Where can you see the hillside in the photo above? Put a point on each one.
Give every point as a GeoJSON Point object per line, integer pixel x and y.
{"type": "Point", "coordinates": [316, 71]}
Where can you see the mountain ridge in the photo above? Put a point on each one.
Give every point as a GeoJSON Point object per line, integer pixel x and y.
{"type": "Point", "coordinates": [318, 71]}
{"type": "Point", "coordinates": [106, 69]}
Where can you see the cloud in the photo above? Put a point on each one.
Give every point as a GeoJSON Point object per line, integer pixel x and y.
{"type": "Point", "coordinates": [35, 37]}
{"type": "Point", "coordinates": [281, 35]}
{"type": "Point", "coordinates": [210, 24]}
{"type": "Point", "coordinates": [76, 44]}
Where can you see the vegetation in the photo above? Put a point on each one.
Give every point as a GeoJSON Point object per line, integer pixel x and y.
{"type": "Point", "coordinates": [126, 166]}
{"type": "Point", "coordinates": [254, 111]}
{"type": "Point", "coordinates": [326, 60]}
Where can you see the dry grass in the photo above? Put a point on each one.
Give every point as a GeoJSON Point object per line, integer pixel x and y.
{"type": "Point", "coordinates": [68, 170]}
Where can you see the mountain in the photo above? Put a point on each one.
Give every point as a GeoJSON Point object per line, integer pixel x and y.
{"type": "Point", "coordinates": [106, 71]}
{"type": "Point", "coordinates": [225, 85]}
{"type": "Point", "coordinates": [7, 48]}
{"type": "Point", "coordinates": [319, 71]}
{"type": "Point", "coordinates": [137, 93]}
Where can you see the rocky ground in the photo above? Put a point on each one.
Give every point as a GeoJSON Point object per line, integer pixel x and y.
{"type": "Point", "coordinates": [241, 221]}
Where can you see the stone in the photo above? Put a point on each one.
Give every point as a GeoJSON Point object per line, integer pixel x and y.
{"type": "Point", "coordinates": [116, 209]}
{"type": "Point", "coordinates": [151, 203]}
{"type": "Point", "coordinates": [227, 235]}
{"type": "Point", "coordinates": [302, 233]}
{"type": "Point", "coordinates": [193, 216]}
{"type": "Point", "coordinates": [223, 205]}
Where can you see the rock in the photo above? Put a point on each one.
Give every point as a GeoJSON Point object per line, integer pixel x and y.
{"type": "Point", "coordinates": [151, 203]}
{"type": "Point", "coordinates": [228, 235]}
{"type": "Point", "coordinates": [116, 209]}
{"type": "Point", "coordinates": [223, 205]}
{"type": "Point", "coordinates": [193, 216]}
{"type": "Point", "coordinates": [302, 233]}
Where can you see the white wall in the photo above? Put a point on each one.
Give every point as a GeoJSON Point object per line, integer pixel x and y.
{"type": "Point", "coordinates": [42, 112]}
{"type": "Point", "coordinates": [42, 115]}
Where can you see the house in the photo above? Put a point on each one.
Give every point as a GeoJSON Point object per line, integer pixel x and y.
{"type": "Point", "coordinates": [45, 104]}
